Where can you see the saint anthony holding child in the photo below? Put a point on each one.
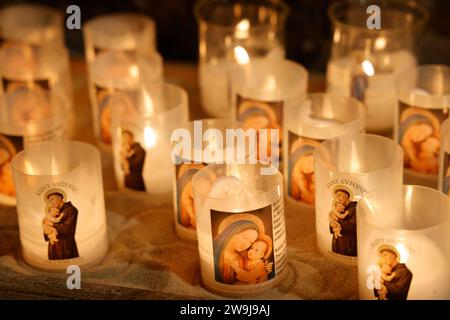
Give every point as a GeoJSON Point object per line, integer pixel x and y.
{"type": "Point", "coordinates": [342, 220]}
{"type": "Point", "coordinates": [59, 225]}
{"type": "Point", "coordinates": [132, 160]}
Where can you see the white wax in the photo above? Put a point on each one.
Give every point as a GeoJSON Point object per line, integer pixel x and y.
{"type": "Point", "coordinates": [380, 96]}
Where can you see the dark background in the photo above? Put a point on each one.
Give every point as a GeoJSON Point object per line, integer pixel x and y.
{"type": "Point", "coordinates": [308, 28]}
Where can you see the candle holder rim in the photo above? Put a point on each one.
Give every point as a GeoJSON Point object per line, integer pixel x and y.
{"type": "Point", "coordinates": [278, 176]}
{"type": "Point", "coordinates": [284, 8]}
{"type": "Point", "coordinates": [129, 18]}
{"type": "Point", "coordinates": [417, 26]}
{"type": "Point", "coordinates": [362, 108]}
{"type": "Point", "coordinates": [74, 143]}
{"type": "Point", "coordinates": [398, 161]}
{"type": "Point", "coordinates": [362, 215]}
{"type": "Point", "coordinates": [42, 8]}
{"type": "Point", "coordinates": [440, 68]}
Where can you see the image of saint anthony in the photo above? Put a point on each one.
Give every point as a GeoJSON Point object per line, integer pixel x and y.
{"type": "Point", "coordinates": [342, 226]}
{"type": "Point", "coordinates": [132, 157]}
{"type": "Point", "coordinates": [395, 276]}
{"type": "Point", "coordinates": [59, 226]}
{"type": "Point", "coordinates": [242, 251]}
{"type": "Point", "coordinates": [419, 135]}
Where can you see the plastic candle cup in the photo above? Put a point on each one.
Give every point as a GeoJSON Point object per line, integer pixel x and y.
{"type": "Point", "coordinates": [364, 62]}
{"type": "Point", "coordinates": [423, 105]}
{"type": "Point", "coordinates": [346, 168]}
{"type": "Point", "coordinates": [60, 205]}
{"type": "Point", "coordinates": [307, 124]}
{"type": "Point", "coordinates": [403, 244]}
{"type": "Point", "coordinates": [253, 28]}
{"type": "Point", "coordinates": [141, 139]}
{"type": "Point", "coordinates": [240, 213]}
{"type": "Point", "coordinates": [444, 162]}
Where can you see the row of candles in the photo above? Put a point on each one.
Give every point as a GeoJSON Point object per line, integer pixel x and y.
{"type": "Point", "coordinates": [235, 213]}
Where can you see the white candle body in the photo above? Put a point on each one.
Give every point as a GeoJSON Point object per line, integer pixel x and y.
{"type": "Point", "coordinates": [380, 96]}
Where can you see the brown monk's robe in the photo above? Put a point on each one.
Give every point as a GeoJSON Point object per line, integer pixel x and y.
{"type": "Point", "coordinates": [65, 247]}
{"type": "Point", "coordinates": [398, 287]}
{"type": "Point", "coordinates": [346, 244]}
{"type": "Point", "coordinates": [134, 179]}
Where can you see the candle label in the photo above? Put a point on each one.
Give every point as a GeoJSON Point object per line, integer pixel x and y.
{"type": "Point", "coordinates": [342, 216]}
{"type": "Point", "coordinates": [388, 277]}
{"type": "Point", "coordinates": [301, 167]}
{"type": "Point", "coordinates": [108, 98]}
{"type": "Point", "coordinates": [9, 147]}
{"type": "Point", "coordinates": [419, 135]}
{"type": "Point", "coordinates": [132, 160]}
{"type": "Point", "coordinates": [258, 114]}
{"type": "Point", "coordinates": [184, 203]}
{"type": "Point", "coordinates": [249, 247]}
{"type": "Point", "coordinates": [446, 174]}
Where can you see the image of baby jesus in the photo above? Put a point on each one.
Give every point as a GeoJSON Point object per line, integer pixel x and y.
{"type": "Point", "coordinates": [254, 261]}
{"type": "Point", "coordinates": [53, 216]}
{"type": "Point", "coordinates": [336, 214]}
{"type": "Point", "coordinates": [386, 276]}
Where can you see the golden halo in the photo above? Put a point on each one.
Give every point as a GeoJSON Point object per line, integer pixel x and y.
{"type": "Point", "coordinates": [242, 216]}
{"type": "Point", "coordinates": [303, 141]}
{"type": "Point", "coordinates": [50, 191]}
{"type": "Point", "coordinates": [411, 111]}
{"type": "Point", "coordinates": [391, 248]}
{"type": "Point", "coordinates": [249, 104]}
{"type": "Point", "coordinates": [184, 167]}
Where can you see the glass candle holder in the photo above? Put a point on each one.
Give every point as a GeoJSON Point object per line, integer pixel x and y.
{"type": "Point", "coordinates": [444, 162]}
{"type": "Point", "coordinates": [142, 139]}
{"type": "Point", "coordinates": [403, 245]}
{"type": "Point", "coordinates": [196, 156]}
{"type": "Point", "coordinates": [231, 32]}
{"type": "Point", "coordinates": [126, 32]}
{"type": "Point", "coordinates": [365, 62]}
{"type": "Point", "coordinates": [42, 69]}
{"type": "Point", "coordinates": [318, 118]}
{"type": "Point", "coordinates": [424, 102]}
{"type": "Point", "coordinates": [26, 118]}
{"type": "Point", "coordinates": [346, 168]}
{"type": "Point", "coordinates": [260, 92]}
{"type": "Point", "coordinates": [31, 24]}
{"type": "Point", "coordinates": [240, 215]}
{"type": "Point", "coordinates": [117, 79]}
{"type": "Point", "coordinates": [60, 205]}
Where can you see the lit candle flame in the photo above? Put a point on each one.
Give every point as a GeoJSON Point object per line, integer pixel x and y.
{"type": "Point", "coordinates": [149, 137]}
{"type": "Point", "coordinates": [368, 68]}
{"type": "Point", "coordinates": [241, 55]}
{"type": "Point", "coordinates": [380, 43]}
{"type": "Point", "coordinates": [242, 29]}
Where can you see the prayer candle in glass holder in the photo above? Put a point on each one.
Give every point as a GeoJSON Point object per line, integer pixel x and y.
{"type": "Point", "coordinates": [26, 118]}
{"type": "Point", "coordinates": [41, 69]}
{"type": "Point", "coordinates": [346, 168]}
{"type": "Point", "coordinates": [231, 33]}
{"type": "Point", "coordinates": [307, 124]}
{"type": "Point", "coordinates": [31, 24]}
{"type": "Point", "coordinates": [444, 162]}
{"type": "Point", "coordinates": [240, 227]}
{"type": "Point", "coordinates": [403, 244]}
{"type": "Point", "coordinates": [261, 91]}
{"type": "Point", "coordinates": [126, 32]}
{"type": "Point", "coordinates": [142, 139]}
{"type": "Point", "coordinates": [365, 62]}
{"type": "Point", "coordinates": [424, 104]}
{"type": "Point", "coordinates": [196, 153]}
{"type": "Point", "coordinates": [60, 205]}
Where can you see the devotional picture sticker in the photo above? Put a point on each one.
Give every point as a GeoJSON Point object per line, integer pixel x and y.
{"type": "Point", "coordinates": [9, 147]}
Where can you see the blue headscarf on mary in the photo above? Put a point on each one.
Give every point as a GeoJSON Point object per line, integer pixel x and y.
{"type": "Point", "coordinates": [223, 272]}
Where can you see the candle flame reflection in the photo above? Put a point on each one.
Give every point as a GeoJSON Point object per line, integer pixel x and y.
{"type": "Point", "coordinates": [241, 55]}
{"type": "Point", "coordinates": [368, 68]}
{"type": "Point", "coordinates": [149, 137]}
{"type": "Point", "coordinates": [404, 254]}
{"type": "Point", "coordinates": [242, 29]}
